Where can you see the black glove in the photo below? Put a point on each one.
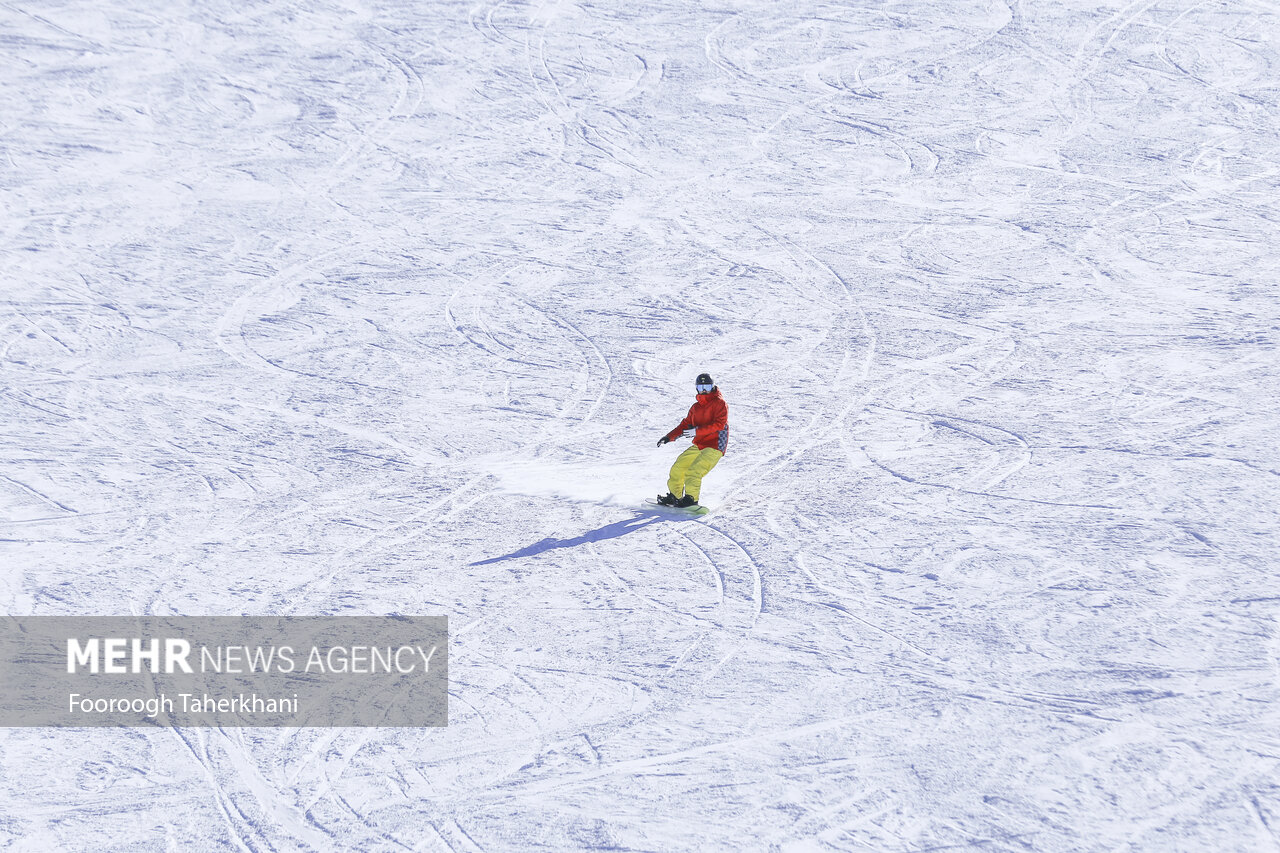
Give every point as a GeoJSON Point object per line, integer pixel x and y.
{"type": "Point", "coordinates": [663, 441]}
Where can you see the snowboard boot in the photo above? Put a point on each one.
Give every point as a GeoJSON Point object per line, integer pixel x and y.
{"type": "Point", "coordinates": [685, 502]}
{"type": "Point", "coordinates": [667, 500]}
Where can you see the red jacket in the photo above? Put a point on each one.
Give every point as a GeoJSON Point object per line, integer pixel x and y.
{"type": "Point", "coordinates": [710, 417]}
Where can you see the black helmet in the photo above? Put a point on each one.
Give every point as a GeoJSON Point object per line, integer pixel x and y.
{"type": "Point", "coordinates": [704, 383]}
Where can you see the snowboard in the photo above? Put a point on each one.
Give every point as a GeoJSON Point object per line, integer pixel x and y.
{"type": "Point", "coordinates": [682, 510]}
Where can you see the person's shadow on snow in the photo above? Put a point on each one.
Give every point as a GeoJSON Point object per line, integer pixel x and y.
{"type": "Point", "coordinates": [613, 530]}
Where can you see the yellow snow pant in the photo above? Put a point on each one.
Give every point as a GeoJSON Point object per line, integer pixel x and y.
{"type": "Point", "coordinates": [689, 469]}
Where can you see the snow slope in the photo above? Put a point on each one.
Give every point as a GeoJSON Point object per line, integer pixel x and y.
{"type": "Point", "coordinates": [348, 307]}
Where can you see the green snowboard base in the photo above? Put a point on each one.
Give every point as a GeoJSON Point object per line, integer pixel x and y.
{"type": "Point", "coordinates": [683, 510]}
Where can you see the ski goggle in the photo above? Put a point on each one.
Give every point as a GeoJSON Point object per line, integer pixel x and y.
{"type": "Point", "coordinates": [704, 389]}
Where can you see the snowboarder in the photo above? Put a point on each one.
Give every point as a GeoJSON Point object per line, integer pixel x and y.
{"type": "Point", "coordinates": [709, 417]}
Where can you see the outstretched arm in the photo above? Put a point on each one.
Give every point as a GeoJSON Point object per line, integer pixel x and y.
{"type": "Point", "coordinates": [676, 433]}
{"type": "Point", "coordinates": [685, 424]}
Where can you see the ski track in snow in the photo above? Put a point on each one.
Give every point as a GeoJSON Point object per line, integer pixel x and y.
{"type": "Point", "coordinates": [379, 307]}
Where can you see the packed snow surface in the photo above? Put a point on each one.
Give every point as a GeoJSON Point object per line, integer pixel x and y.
{"type": "Point", "coordinates": [349, 308]}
